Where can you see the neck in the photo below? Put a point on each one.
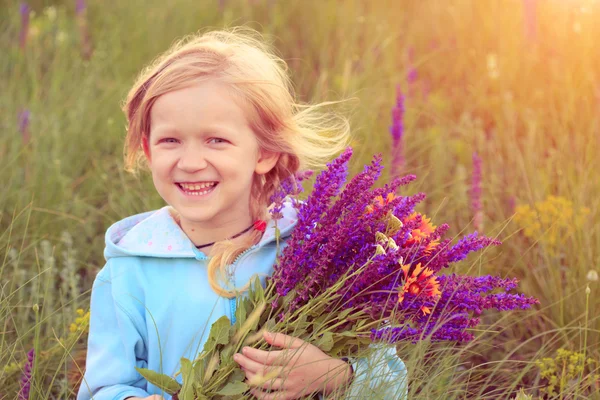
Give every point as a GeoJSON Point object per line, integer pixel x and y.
{"type": "Point", "coordinates": [201, 233]}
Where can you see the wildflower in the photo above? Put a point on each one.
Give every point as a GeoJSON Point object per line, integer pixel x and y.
{"type": "Point", "coordinates": [420, 280]}
{"type": "Point", "coordinates": [397, 131]}
{"type": "Point", "coordinates": [81, 322]}
{"type": "Point", "coordinates": [423, 230]}
{"type": "Point", "coordinates": [475, 193]}
{"type": "Point", "coordinates": [24, 125]}
{"type": "Point", "coordinates": [566, 366]}
{"type": "Point", "coordinates": [412, 74]}
{"type": "Point", "coordinates": [592, 275]}
{"type": "Point", "coordinates": [289, 187]}
{"type": "Point", "coordinates": [380, 202]}
{"type": "Point", "coordinates": [24, 10]}
{"type": "Point", "coordinates": [84, 33]}
{"type": "Point", "coordinates": [26, 377]}
{"type": "Point", "coordinates": [551, 221]}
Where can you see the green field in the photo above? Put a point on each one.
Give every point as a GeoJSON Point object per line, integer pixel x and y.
{"type": "Point", "coordinates": [520, 89]}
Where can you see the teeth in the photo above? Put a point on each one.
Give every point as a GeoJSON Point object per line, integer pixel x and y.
{"type": "Point", "coordinates": [197, 186]}
{"type": "Point", "coordinates": [193, 188]}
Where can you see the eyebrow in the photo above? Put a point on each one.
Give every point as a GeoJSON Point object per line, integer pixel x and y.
{"type": "Point", "coordinates": [206, 132]}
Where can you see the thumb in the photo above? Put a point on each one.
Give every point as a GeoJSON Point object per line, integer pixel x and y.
{"type": "Point", "coordinates": [283, 341]}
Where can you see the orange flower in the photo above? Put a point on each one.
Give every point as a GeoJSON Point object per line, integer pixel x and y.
{"type": "Point", "coordinates": [379, 202]}
{"type": "Point", "coordinates": [420, 281]}
{"type": "Point", "coordinates": [421, 232]}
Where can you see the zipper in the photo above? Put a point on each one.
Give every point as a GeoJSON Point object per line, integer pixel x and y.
{"type": "Point", "coordinates": [230, 276]}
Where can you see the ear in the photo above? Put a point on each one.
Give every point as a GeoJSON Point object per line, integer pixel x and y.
{"type": "Point", "coordinates": [266, 161]}
{"type": "Point", "coordinates": [146, 146]}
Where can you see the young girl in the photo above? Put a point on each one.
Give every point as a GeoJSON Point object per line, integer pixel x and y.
{"type": "Point", "coordinates": [214, 119]}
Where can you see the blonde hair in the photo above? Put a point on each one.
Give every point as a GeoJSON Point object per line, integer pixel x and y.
{"type": "Point", "coordinates": [303, 135]}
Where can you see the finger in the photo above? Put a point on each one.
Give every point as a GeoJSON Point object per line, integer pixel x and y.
{"type": "Point", "coordinates": [283, 341]}
{"type": "Point", "coordinates": [264, 357]}
{"type": "Point", "coordinates": [249, 364]}
{"type": "Point", "coordinates": [276, 395]}
{"type": "Point", "coordinates": [260, 381]}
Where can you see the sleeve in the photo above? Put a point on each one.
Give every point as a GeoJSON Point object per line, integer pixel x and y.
{"type": "Point", "coordinates": [382, 375]}
{"type": "Point", "coordinates": [115, 347]}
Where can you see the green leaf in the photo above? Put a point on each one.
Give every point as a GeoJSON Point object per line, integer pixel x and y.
{"type": "Point", "coordinates": [187, 391]}
{"type": "Point", "coordinates": [344, 314]}
{"type": "Point", "coordinates": [199, 369]}
{"type": "Point", "coordinates": [325, 342]}
{"type": "Point", "coordinates": [219, 334]}
{"type": "Point", "coordinates": [237, 375]}
{"type": "Point", "coordinates": [162, 381]}
{"type": "Point", "coordinates": [211, 367]}
{"type": "Point", "coordinates": [233, 388]}
{"type": "Point", "coordinates": [259, 292]}
{"type": "Point", "coordinates": [227, 354]}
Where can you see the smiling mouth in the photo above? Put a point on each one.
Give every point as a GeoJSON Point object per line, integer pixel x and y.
{"type": "Point", "coordinates": [195, 189]}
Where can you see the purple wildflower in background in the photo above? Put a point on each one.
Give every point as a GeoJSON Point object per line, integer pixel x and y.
{"type": "Point", "coordinates": [24, 125]}
{"type": "Point", "coordinates": [80, 6]}
{"type": "Point", "coordinates": [412, 75]}
{"type": "Point", "coordinates": [26, 377]}
{"type": "Point", "coordinates": [475, 193]}
{"type": "Point", "coordinates": [24, 10]}
{"type": "Point", "coordinates": [397, 132]}
{"type": "Point", "coordinates": [84, 33]}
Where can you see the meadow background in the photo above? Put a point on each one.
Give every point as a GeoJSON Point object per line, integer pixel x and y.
{"type": "Point", "coordinates": [501, 125]}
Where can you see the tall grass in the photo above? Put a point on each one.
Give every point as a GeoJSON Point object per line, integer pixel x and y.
{"type": "Point", "coordinates": [524, 94]}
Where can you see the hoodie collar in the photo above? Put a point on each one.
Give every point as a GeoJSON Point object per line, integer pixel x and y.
{"type": "Point", "coordinates": [156, 234]}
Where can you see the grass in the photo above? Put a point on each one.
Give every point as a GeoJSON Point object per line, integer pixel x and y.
{"type": "Point", "coordinates": [527, 104]}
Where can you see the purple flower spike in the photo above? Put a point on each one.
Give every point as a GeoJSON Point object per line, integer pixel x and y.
{"type": "Point", "coordinates": [26, 377]}
{"type": "Point", "coordinates": [24, 10]}
{"type": "Point", "coordinates": [475, 193]}
{"type": "Point", "coordinates": [80, 6]}
{"type": "Point", "coordinates": [289, 187]}
{"type": "Point", "coordinates": [24, 125]}
{"type": "Point", "coordinates": [397, 132]}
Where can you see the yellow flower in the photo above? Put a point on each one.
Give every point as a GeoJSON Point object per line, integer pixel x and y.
{"type": "Point", "coordinates": [550, 221]}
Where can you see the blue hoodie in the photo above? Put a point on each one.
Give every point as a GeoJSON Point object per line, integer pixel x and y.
{"type": "Point", "coordinates": [152, 304]}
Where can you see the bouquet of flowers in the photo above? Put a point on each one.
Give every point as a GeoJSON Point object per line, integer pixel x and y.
{"type": "Point", "coordinates": [361, 266]}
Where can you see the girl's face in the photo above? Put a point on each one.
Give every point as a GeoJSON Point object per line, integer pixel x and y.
{"type": "Point", "coordinates": [203, 154]}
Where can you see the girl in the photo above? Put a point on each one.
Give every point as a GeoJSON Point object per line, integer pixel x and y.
{"type": "Point", "coordinates": [215, 121]}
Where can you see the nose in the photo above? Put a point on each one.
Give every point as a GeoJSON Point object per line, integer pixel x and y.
{"type": "Point", "coordinates": [192, 159]}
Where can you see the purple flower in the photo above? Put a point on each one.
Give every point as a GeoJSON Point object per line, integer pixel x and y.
{"type": "Point", "coordinates": [412, 74]}
{"type": "Point", "coordinates": [475, 193]}
{"type": "Point", "coordinates": [24, 125]}
{"type": "Point", "coordinates": [24, 10]}
{"type": "Point", "coordinates": [337, 236]}
{"type": "Point", "coordinates": [288, 187]}
{"type": "Point", "coordinates": [80, 6]}
{"type": "Point", "coordinates": [84, 33]}
{"type": "Point", "coordinates": [26, 377]}
{"type": "Point", "coordinates": [397, 132]}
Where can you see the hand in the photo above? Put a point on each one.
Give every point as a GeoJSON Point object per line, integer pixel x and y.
{"type": "Point", "coordinates": [300, 369]}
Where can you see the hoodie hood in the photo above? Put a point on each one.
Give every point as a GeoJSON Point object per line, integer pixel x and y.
{"type": "Point", "coordinates": [157, 234]}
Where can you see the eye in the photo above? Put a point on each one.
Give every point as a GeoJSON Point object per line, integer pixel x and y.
{"type": "Point", "coordinates": [221, 140]}
{"type": "Point", "coordinates": [168, 140]}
